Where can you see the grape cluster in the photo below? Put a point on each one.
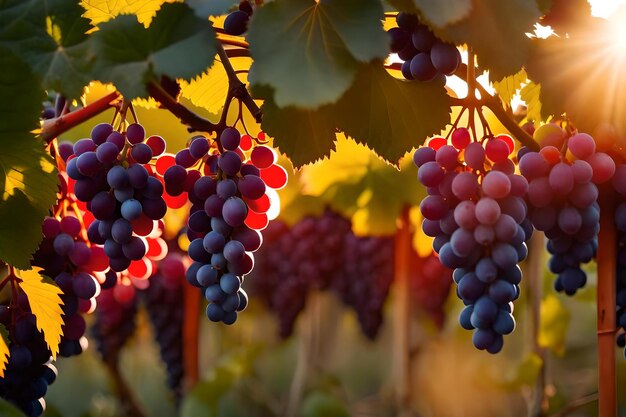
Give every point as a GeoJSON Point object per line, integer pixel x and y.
{"type": "Point", "coordinates": [430, 285]}
{"type": "Point", "coordinates": [164, 302]}
{"type": "Point", "coordinates": [29, 370]}
{"type": "Point", "coordinates": [425, 57]}
{"type": "Point", "coordinates": [562, 199]}
{"type": "Point", "coordinates": [236, 23]}
{"type": "Point", "coordinates": [229, 205]}
{"type": "Point", "coordinates": [295, 260]}
{"type": "Point", "coordinates": [65, 256]}
{"type": "Point", "coordinates": [619, 185]}
{"type": "Point", "coordinates": [110, 176]}
{"type": "Point", "coordinates": [115, 321]}
{"type": "Point", "coordinates": [364, 281]}
{"type": "Point", "coordinates": [476, 212]}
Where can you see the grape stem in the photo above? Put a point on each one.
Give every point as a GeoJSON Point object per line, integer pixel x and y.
{"type": "Point", "coordinates": [52, 128]}
{"type": "Point", "coordinates": [471, 91]}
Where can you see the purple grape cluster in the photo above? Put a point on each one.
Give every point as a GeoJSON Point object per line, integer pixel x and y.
{"type": "Point", "coordinates": [119, 191]}
{"type": "Point", "coordinates": [164, 302]}
{"type": "Point", "coordinates": [236, 23]}
{"type": "Point", "coordinates": [476, 212]}
{"type": "Point", "coordinates": [619, 184]}
{"type": "Point", "coordinates": [29, 371]}
{"type": "Point", "coordinates": [114, 325]}
{"type": "Point", "coordinates": [562, 199]}
{"type": "Point", "coordinates": [425, 57]}
{"type": "Point", "coordinates": [66, 257]}
{"type": "Point", "coordinates": [363, 284]}
{"type": "Point", "coordinates": [221, 243]}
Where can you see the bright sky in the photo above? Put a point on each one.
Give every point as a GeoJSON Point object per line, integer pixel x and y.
{"type": "Point", "coordinates": [604, 8]}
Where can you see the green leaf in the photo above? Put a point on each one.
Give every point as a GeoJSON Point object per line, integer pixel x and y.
{"type": "Point", "coordinates": [320, 404]}
{"type": "Point", "coordinates": [444, 12]}
{"type": "Point", "coordinates": [28, 178]}
{"type": "Point", "coordinates": [206, 8]}
{"type": "Point", "coordinates": [390, 116]}
{"type": "Point", "coordinates": [309, 51]}
{"type": "Point", "coordinates": [99, 11]}
{"type": "Point", "coordinates": [51, 37]}
{"type": "Point", "coordinates": [531, 94]}
{"type": "Point", "coordinates": [496, 30]}
{"type": "Point", "coordinates": [177, 44]}
{"type": "Point", "coordinates": [508, 86]}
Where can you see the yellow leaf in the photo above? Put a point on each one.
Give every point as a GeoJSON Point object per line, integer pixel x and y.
{"type": "Point", "coordinates": [555, 320]}
{"type": "Point", "coordinates": [208, 90]}
{"type": "Point", "coordinates": [4, 349]}
{"type": "Point", "coordinates": [45, 303]}
{"type": "Point", "coordinates": [99, 11]}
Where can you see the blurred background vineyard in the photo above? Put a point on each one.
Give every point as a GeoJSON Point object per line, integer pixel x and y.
{"type": "Point", "coordinates": [328, 364]}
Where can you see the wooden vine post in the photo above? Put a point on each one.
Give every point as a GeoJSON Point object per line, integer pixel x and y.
{"type": "Point", "coordinates": [606, 292]}
{"type": "Point", "coordinates": [403, 383]}
{"type": "Point", "coordinates": [191, 336]}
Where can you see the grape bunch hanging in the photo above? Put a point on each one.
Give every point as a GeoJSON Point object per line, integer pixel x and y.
{"type": "Point", "coordinates": [476, 212]}
{"type": "Point", "coordinates": [231, 194]}
{"type": "Point", "coordinates": [426, 58]}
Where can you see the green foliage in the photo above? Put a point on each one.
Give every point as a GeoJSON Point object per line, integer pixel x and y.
{"type": "Point", "coordinates": [531, 93]}
{"type": "Point", "coordinates": [206, 8]}
{"type": "Point", "coordinates": [9, 410]}
{"type": "Point", "coordinates": [29, 181]}
{"type": "Point", "coordinates": [310, 52]}
{"type": "Point", "coordinates": [496, 30]}
{"type": "Point", "coordinates": [320, 404]}
{"type": "Point", "coordinates": [444, 12]}
{"type": "Point", "coordinates": [177, 44]}
{"type": "Point", "coordinates": [389, 115]}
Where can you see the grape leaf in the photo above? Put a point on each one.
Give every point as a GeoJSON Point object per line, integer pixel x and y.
{"type": "Point", "coordinates": [45, 303]}
{"type": "Point", "coordinates": [51, 37]}
{"type": "Point", "coordinates": [388, 115]}
{"type": "Point", "coordinates": [99, 11]}
{"type": "Point", "coordinates": [207, 90]}
{"type": "Point", "coordinates": [508, 86]}
{"type": "Point", "coordinates": [9, 410]}
{"type": "Point", "coordinates": [303, 135]}
{"type": "Point", "coordinates": [531, 94]}
{"type": "Point", "coordinates": [28, 180]}
{"type": "Point", "coordinates": [444, 12]}
{"type": "Point", "coordinates": [496, 30]}
{"type": "Point", "coordinates": [392, 116]}
{"type": "Point", "coordinates": [4, 349]}
{"type": "Point", "coordinates": [206, 8]}
{"type": "Point", "coordinates": [309, 51]}
{"type": "Point", "coordinates": [177, 44]}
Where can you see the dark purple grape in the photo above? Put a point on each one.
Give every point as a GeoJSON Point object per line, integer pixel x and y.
{"type": "Point", "coordinates": [135, 133]}
{"type": "Point", "coordinates": [141, 153]}
{"type": "Point", "coordinates": [100, 133]}
{"type": "Point", "coordinates": [185, 159]}
{"type": "Point", "coordinates": [236, 23]}
{"type": "Point", "coordinates": [107, 152]}
{"type": "Point", "coordinates": [229, 163]}
{"type": "Point", "coordinates": [407, 21]}
{"type": "Point", "coordinates": [422, 68]}
{"type": "Point", "coordinates": [88, 164]}
{"type": "Point", "coordinates": [234, 211]}
{"type": "Point", "coordinates": [399, 39]}
{"type": "Point", "coordinates": [226, 188]}
{"type": "Point", "coordinates": [230, 138]}
{"type": "Point", "coordinates": [199, 147]}
{"type": "Point", "coordinates": [118, 139]}
{"type": "Point", "coordinates": [84, 145]}
{"type": "Point", "coordinates": [423, 39]}
{"type": "Point", "coordinates": [135, 249]}
{"type": "Point", "coordinates": [445, 57]}
{"type": "Point", "coordinates": [251, 187]}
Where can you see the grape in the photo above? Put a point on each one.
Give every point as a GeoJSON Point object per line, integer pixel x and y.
{"type": "Point", "coordinates": [581, 145]}
{"type": "Point", "coordinates": [199, 147]}
{"type": "Point", "coordinates": [157, 145]}
{"type": "Point", "coordinates": [236, 24]}
{"type": "Point", "coordinates": [447, 157]}
{"type": "Point", "coordinates": [422, 68]}
{"type": "Point", "coordinates": [399, 39]}
{"type": "Point", "coordinates": [135, 133]}
{"type": "Point", "coordinates": [100, 133]}
{"type": "Point", "coordinates": [422, 38]}
{"type": "Point", "coordinates": [131, 209]}
{"type": "Point", "coordinates": [251, 187]}
{"type": "Point", "coordinates": [63, 244]}
{"type": "Point", "coordinates": [497, 150]}
{"type": "Point", "coordinates": [117, 177]}
{"type": "Point", "coordinates": [107, 153]}
{"type": "Point", "coordinates": [230, 139]}
{"type": "Point", "coordinates": [226, 189]}
{"type": "Point", "coordinates": [185, 159]}
{"type": "Point", "coordinates": [88, 164]}
{"type": "Point", "coordinates": [229, 283]}
{"type": "Point", "coordinates": [84, 145]}
{"type": "Point", "coordinates": [445, 58]}
{"type": "Point", "coordinates": [487, 211]}
{"type": "Point", "coordinates": [70, 225]}
{"type": "Point", "coordinates": [430, 174]}
{"type": "Point", "coordinates": [406, 70]}
{"type": "Point", "coordinates": [496, 185]}
{"type": "Point", "coordinates": [461, 138]}
{"type": "Point", "coordinates": [561, 178]}
{"type": "Point", "coordinates": [423, 155]}
{"type": "Point", "coordinates": [65, 150]}
{"type": "Point", "coordinates": [141, 153]}
{"type": "Point", "coordinates": [234, 251]}
{"type": "Point", "coordinates": [117, 139]}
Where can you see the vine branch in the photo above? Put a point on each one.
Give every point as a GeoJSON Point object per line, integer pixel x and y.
{"type": "Point", "coordinates": [52, 128]}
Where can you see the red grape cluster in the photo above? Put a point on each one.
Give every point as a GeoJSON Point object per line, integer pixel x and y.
{"type": "Point", "coordinates": [425, 57]}
{"type": "Point", "coordinates": [476, 212]}
{"type": "Point", "coordinates": [562, 199]}
{"type": "Point", "coordinates": [230, 204]}
{"type": "Point", "coordinates": [295, 260]}
{"type": "Point", "coordinates": [112, 175]}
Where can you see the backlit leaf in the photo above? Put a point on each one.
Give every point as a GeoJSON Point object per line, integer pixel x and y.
{"type": "Point", "coordinates": [4, 349]}
{"type": "Point", "coordinates": [45, 303]}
